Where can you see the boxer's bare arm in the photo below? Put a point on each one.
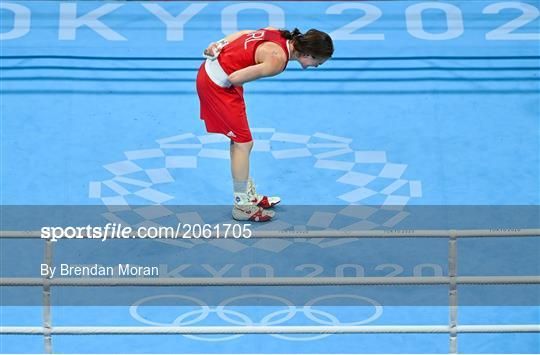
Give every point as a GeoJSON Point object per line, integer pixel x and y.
{"type": "Point", "coordinates": [270, 59]}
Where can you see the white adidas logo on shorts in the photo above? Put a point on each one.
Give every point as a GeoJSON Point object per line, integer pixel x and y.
{"type": "Point", "coordinates": [231, 134]}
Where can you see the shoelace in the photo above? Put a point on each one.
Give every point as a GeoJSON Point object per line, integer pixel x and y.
{"type": "Point", "coordinates": [252, 190]}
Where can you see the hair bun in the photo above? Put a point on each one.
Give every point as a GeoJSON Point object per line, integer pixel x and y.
{"type": "Point", "coordinates": [291, 34]}
{"type": "Point", "coordinates": [296, 33]}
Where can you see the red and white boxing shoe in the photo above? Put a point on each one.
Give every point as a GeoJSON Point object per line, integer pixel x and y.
{"type": "Point", "coordinates": [251, 213]}
{"type": "Point", "coordinates": [260, 200]}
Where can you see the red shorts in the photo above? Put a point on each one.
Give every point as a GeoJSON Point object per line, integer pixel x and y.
{"type": "Point", "coordinates": [223, 109]}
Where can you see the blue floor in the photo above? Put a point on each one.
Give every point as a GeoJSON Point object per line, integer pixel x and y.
{"type": "Point", "coordinates": [417, 115]}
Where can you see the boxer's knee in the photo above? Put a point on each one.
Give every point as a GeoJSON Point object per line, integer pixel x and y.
{"type": "Point", "coordinates": [243, 147]}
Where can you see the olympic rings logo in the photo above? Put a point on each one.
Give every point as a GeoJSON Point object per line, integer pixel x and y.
{"type": "Point", "coordinates": [225, 313]}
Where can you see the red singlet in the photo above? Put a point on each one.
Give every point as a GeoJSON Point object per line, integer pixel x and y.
{"type": "Point", "coordinates": [222, 108]}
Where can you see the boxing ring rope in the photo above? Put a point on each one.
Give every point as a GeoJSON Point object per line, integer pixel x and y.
{"type": "Point", "coordinates": [453, 329]}
{"type": "Point", "coordinates": [411, 233]}
{"type": "Point", "coordinates": [287, 329]}
{"type": "Point", "coordinates": [271, 281]}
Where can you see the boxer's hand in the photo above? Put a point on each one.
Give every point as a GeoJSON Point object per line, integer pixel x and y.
{"type": "Point", "coordinates": [212, 51]}
{"type": "Point", "coordinates": [214, 48]}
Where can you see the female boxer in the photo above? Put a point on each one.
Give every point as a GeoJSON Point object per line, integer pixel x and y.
{"type": "Point", "coordinates": [237, 59]}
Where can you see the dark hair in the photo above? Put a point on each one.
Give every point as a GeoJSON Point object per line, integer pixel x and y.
{"type": "Point", "coordinates": [313, 42]}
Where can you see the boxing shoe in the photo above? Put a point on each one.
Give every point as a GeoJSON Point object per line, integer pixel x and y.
{"type": "Point", "coordinates": [243, 210]}
{"type": "Point", "coordinates": [260, 200]}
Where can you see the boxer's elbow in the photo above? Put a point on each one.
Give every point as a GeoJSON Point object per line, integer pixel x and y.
{"type": "Point", "coordinates": [236, 79]}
